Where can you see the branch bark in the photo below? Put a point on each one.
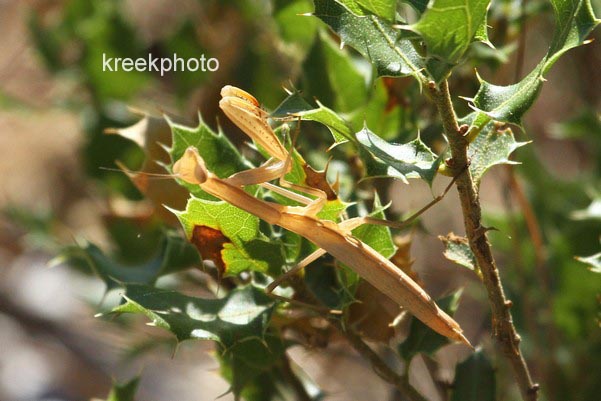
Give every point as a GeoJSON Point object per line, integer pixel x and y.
{"type": "Point", "coordinates": [503, 329]}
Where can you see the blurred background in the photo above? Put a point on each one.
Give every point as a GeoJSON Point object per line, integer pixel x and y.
{"type": "Point", "coordinates": [56, 104]}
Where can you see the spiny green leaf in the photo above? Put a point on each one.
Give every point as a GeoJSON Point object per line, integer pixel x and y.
{"type": "Point", "coordinates": [295, 106]}
{"type": "Point", "coordinates": [449, 26]}
{"type": "Point", "coordinates": [174, 254]}
{"type": "Point", "coordinates": [422, 338]}
{"type": "Point", "coordinates": [492, 146]}
{"type": "Point", "coordinates": [124, 391]}
{"type": "Point", "coordinates": [474, 379]}
{"type": "Point", "coordinates": [457, 249]}
{"type": "Point", "coordinates": [247, 248]}
{"type": "Point", "coordinates": [574, 21]}
{"type": "Point", "coordinates": [509, 103]}
{"type": "Point", "coordinates": [373, 37]}
{"type": "Point", "coordinates": [241, 315]}
{"type": "Point", "coordinates": [253, 368]}
{"type": "Point", "coordinates": [220, 155]}
{"type": "Point", "coordinates": [593, 261]}
{"type": "Point", "coordinates": [412, 160]}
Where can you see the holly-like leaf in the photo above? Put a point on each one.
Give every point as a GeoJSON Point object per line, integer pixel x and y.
{"type": "Point", "coordinates": [245, 247]}
{"type": "Point", "coordinates": [593, 262]}
{"type": "Point", "coordinates": [422, 338]}
{"type": "Point", "coordinates": [242, 314]}
{"type": "Point", "coordinates": [457, 249]}
{"type": "Point", "coordinates": [295, 106]}
{"type": "Point", "coordinates": [574, 21]}
{"type": "Point", "coordinates": [491, 146]}
{"type": "Point", "coordinates": [373, 37]}
{"type": "Point", "coordinates": [124, 391]}
{"type": "Point", "coordinates": [174, 254]}
{"type": "Point", "coordinates": [220, 156]}
{"type": "Point", "coordinates": [474, 379]}
{"type": "Point", "coordinates": [449, 26]}
{"type": "Point", "coordinates": [411, 160]}
{"type": "Point", "coordinates": [253, 368]}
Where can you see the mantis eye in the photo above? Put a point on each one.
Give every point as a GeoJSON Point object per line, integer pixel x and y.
{"type": "Point", "coordinates": [191, 167]}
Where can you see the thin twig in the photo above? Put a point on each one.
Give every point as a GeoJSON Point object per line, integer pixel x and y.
{"type": "Point", "coordinates": [503, 328]}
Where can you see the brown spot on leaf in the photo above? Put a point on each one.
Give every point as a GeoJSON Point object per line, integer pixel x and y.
{"type": "Point", "coordinates": [317, 179]}
{"type": "Point", "coordinates": [210, 244]}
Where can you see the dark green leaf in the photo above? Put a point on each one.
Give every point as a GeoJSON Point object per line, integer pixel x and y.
{"type": "Point", "coordinates": [411, 160]}
{"type": "Point", "coordinates": [241, 315]}
{"type": "Point", "coordinates": [374, 38]}
{"type": "Point", "coordinates": [175, 254]}
{"type": "Point", "coordinates": [422, 338]}
{"type": "Point", "coordinates": [474, 379]}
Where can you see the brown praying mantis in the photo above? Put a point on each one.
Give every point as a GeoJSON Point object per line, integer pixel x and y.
{"type": "Point", "coordinates": [330, 237]}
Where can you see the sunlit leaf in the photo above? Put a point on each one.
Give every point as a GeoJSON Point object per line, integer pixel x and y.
{"type": "Point", "coordinates": [449, 26]}
{"type": "Point", "coordinates": [457, 249]}
{"type": "Point", "coordinates": [246, 247]}
{"type": "Point", "coordinates": [491, 147]}
{"type": "Point", "coordinates": [373, 37]}
{"type": "Point", "coordinates": [411, 160]}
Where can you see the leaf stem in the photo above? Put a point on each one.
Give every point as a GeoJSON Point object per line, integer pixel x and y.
{"type": "Point", "coordinates": [503, 329]}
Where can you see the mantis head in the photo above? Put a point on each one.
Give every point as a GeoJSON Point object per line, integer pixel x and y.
{"type": "Point", "coordinates": [191, 167]}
